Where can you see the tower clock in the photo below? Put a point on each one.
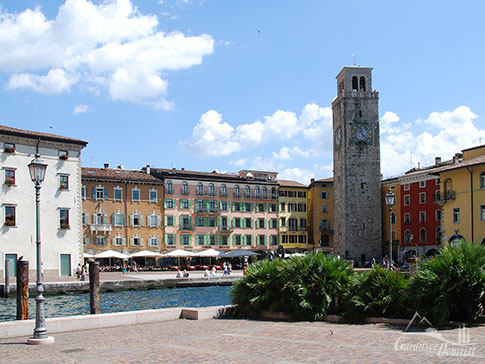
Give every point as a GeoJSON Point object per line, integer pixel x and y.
{"type": "Point", "coordinates": [357, 173]}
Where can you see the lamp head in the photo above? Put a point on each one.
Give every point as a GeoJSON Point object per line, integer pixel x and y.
{"type": "Point", "coordinates": [37, 171]}
{"type": "Point", "coordinates": [390, 198]}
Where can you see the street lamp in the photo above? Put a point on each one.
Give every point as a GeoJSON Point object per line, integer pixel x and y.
{"type": "Point", "coordinates": [37, 173]}
{"type": "Point", "coordinates": [390, 201]}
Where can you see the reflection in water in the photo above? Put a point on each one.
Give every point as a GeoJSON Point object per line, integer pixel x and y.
{"type": "Point", "coordinates": [78, 303]}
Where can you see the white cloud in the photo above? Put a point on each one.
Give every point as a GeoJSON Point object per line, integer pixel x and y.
{"type": "Point", "coordinates": [301, 175]}
{"type": "Point", "coordinates": [107, 45]}
{"type": "Point", "coordinates": [386, 124]}
{"type": "Point", "coordinates": [80, 109]}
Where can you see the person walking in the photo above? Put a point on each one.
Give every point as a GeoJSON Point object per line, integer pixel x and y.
{"type": "Point", "coordinates": [83, 273]}
{"type": "Point", "coordinates": [78, 272]}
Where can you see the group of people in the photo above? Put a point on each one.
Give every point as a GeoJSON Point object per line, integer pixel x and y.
{"type": "Point", "coordinates": [81, 272]}
{"type": "Point", "coordinates": [226, 268]}
{"type": "Point", "coordinates": [182, 274]}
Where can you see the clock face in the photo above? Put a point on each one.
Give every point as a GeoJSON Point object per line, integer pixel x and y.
{"type": "Point", "coordinates": [338, 137]}
{"type": "Point", "coordinates": [361, 134]}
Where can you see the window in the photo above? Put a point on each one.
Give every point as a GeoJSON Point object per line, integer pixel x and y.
{"type": "Point", "coordinates": [236, 191]}
{"type": "Point", "coordinates": [168, 187]}
{"type": "Point", "coordinates": [153, 241]}
{"type": "Point", "coordinates": [99, 193]}
{"type": "Point", "coordinates": [248, 206]}
{"type": "Point", "coordinates": [293, 224]}
{"type": "Point", "coordinates": [249, 239]}
{"type": "Point", "coordinates": [422, 197]}
{"type": "Point", "coordinates": [323, 195]}
{"type": "Point", "coordinates": [283, 207]}
{"type": "Point", "coordinates": [292, 239]}
{"type": "Point", "coordinates": [118, 193]}
{"type": "Point", "coordinates": [406, 187]}
{"type": "Point", "coordinates": [282, 222]}
{"type": "Point", "coordinates": [64, 218]}
{"type": "Point", "coordinates": [118, 219]}
{"type": "Point", "coordinates": [273, 239]}
{"type": "Point", "coordinates": [301, 194]}
{"type": "Point", "coordinates": [185, 188]}
{"type": "Point", "coordinates": [223, 191]}
{"type": "Point", "coordinates": [236, 206]}
{"type": "Point", "coordinates": [200, 189]}
{"type": "Point", "coordinates": [212, 222]}
{"type": "Point", "coordinates": [85, 218]}
{"type": "Point", "coordinates": [169, 239]}
{"type": "Point", "coordinates": [63, 154]}
{"type": "Point", "coordinates": [362, 85]}
{"type": "Point", "coordinates": [136, 241]}
{"type": "Point", "coordinates": [200, 239]}
{"type": "Point", "coordinates": [438, 215]}
{"type": "Point", "coordinates": [260, 223]}
{"type": "Point", "coordinates": [456, 216]}
{"type": "Point", "coordinates": [169, 220]}
{"type": "Point", "coordinates": [100, 240]}
{"type": "Point", "coordinates": [264, 192]}
{"type": "Point", "coordinates": [236, 239]}
{"type": "Point", "coordinates": [284, 239]}
{"type": "Point", "coordinates": [482, 213]}
{"type": "Point", "coordinates": [301, 239]}
{"type": "Point", "coordinates": [223, 240]}
{"type": "Point", "coordinates": [256, 192]}
{"type": "Point", "coordinates": [261, 240]}
{"type": "Point", "coordinates": [86, 240]}
{"type": "Point", "coordinates": [153, 220]}
{"type": "Point", "coordinates": [408, 237]}
{"type": "Point", "coordinates": [169, 203]}
{"type": "Point", "coordinates": [422, 217]}
{"type": "Point", "coordinates": [224, 205]}
{"type": "Point", "coordinates": [184, 204]}
{"type": "Point", "coordinates": [248, 222]}
{"type": "Point", "coordinates": [200, 221]}
{"type": "Point", "coordinates": [323, 224]}
{"type": "Point", "coordinates": [136, 219]}
{"type": "Point", "coordinates": [324, 208]}
{"type": "Point", "coordinates": [237, 222]}
{"type": "Point", "coordinates": [274, 195]}
{"type": "Point", "coordinates": [482, 180]}
{"type": "Point", "coordinates": [9, 177]}
{"type": "Point", "coordinates": [261, 207]}
{"type": "Point", "coordinates": [303, 222]}
{"type": "Point", "coordinates": [212, 191]}
{"type": "Point", "coordinates": [119, 241]}
{"type": "Point", "coordinates": [135, 194]}
{"type": "Point", "coordinates": [274, 223]}
{"type": "Point", "coordinates": [100, 218]}
{"type": "Point", "coordinates": [223, 225]}
{"type": "Point", "coordinates": [247, 192]}
{"type": "Point", "coordinates": [291, 193]}
{"type": "Point", "coordinates": [63, 182]}
{"type": "Point", "coordinates": [272, 207]}
{"type": "Point", "coordinates": [422, 184]}
{"type": "Point", "coordinates": [83, 192]}
{"type": "Point", "coordinates": [185, 223]}
{"type": "Point", "coordinates": [393, 218]}
{"type": "Point", "coordinates": [8, 147]}
{"type": "Point", "coordinates": [9, 215]}
{"type": "Point", "coordinates": [153, 195]}
{"type": "Point", "coordinates": [422, 235]}
{"type": "Point", "coordinates": [302, 207]}
{"type": "Point", "coordinates": [407, 200]}
{"type": "Point", "coordinates": [186, 240]}
{"type": "Point", "coordinates": [407, 218]}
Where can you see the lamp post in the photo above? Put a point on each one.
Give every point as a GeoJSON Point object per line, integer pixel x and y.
{"type": "Point", "coordinates": [37, 173]}
{"type": "Point", "coordinates": [390, 198]}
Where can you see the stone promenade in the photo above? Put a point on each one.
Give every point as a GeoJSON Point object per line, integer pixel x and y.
{"type": "Point", "coordinates": [247, 341]}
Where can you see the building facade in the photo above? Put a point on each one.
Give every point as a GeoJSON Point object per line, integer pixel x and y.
{"type": "Point", "coordinates": [357, 173]}
{"type": "Point", "coordinates": [462, 196]}
{"type": "Point", "coordinates": [218, 210]}
{"type": "Point", "coordinates": [293, 215]}
{"type": "Point", "coordinates": [320, 214]}
{"type": "Point", "coordinates": [60, 201]}
{"type": "Point", "coordinates": [122, 210]}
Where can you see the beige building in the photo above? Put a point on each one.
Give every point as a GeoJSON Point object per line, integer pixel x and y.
{"type": "Point", "coordinates": [320, 214]}
{"type": "Point", "coordinates": [122, 210]}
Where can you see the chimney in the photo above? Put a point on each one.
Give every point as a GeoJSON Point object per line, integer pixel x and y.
{"type": "Point", "coordinates": [106, 165]}
{"type": "Point", "coordinates": [148, 169]}
{"type": "Point", "coordinates": [121, 166]}
{"type": "Point", "coordinates": [182, 169]}
{"type": "Point", "coordinates": [437, 160]}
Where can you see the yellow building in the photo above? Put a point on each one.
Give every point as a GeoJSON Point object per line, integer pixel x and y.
{"type": "Point", "coordinates": [462, 196]}
{"type": "Point", "coordinates": [320, 214]}
{"type": "Point", "coordinates": [293, 220]}
{"type": "Point", "coordinates": [393, 185]}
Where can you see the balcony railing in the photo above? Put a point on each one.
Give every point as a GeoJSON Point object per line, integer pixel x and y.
{"type": "Point", "coordinates": [207, 210]}
{"type": "Point", "coordinates": [361, 94]}
{"type": "Point", "coordinates": [237, 195]}
{"type": "Point", "coordinates": [184, 227]}
{"type": "Point", "coordinates": [326, 228]}
{"type": "Point", "coordinates": [297, 228]}
{"type": "Point", "coordinates": [101, 227]}
{"type": "Point", "coordinates": [225, 228]}
{"type": "Point", "coordinates": [447, 196]}
{"type": "Point", "coordinates": [223, 194]}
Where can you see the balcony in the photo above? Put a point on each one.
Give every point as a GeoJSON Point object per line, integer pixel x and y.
{"type": "Point", "coordinates": [447, 196]}
{"type": "Point", "coordinates": [207, 211]}
{"type": "Point", "coordinates": [297, 228]}
{"type": "Point", "coordinates": [223, 194]}
{"type": "Point", "coordinates": [101, 227]}
{"type": "Point", "coordinates": [326, 229]}
{"type": "Point", "coordinates": [210, 193]}
{"type": "Point", "coordinates": [185, 227]}
{"type": "Point", "coordinates": [236, 195]}
{"type": "Point", "coordinates": [225, 229]}
{"type": "Point", "coordinates": [360, 94]}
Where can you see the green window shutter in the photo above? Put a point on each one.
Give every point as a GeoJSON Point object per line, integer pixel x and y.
{"type": "Point", "coordinates": [243, 207]}
{"type": "Point", "coordinates": [251, 206]}
{"type": "Point", "coordinates": [278, 223]}
{"type": "Point", "coordinates": [124, 220]}
{"type": "Point", "coordinates": [94, 192]}
{"type": "Point", "coordinates": [206, 221]}
{"type": "Point", "coordinates": [204, 204]}
{"type": "Point", "coordinates": [165, 219]}
{"type": "Point", "coordinates": [105, 193]}
{"type": "Point", "coordinates": [278, 239]}
{"type": "Point", "coordinates": [166, 239]}
{"type": "Point", "coordinates": [243, 240]}
{"type": "Point", "coordinates": [232, 222]}
{"type": "Point", "coordinates": [233, 206]}
{"type": "Point", "coordinates": [174, 239]}
{"type": "Point", "coordinates": [243, 223]}
{"type": "Point", "coordinates": [189, 203]}
{"type": "Point", "coordinates": [165, 203]}
{"type": "Point", "coordinates": [265, 240]}
{"type": "Point", "coordinates": [264, 224]}
{"type": "Point", "coordinates": [180, 220]}
{"type": "Point", "coordinates": [112, 219]}
{"type": "Point", "coordinates": [264, 207]}
{"type": "Point", "coordinates": [233, 240]}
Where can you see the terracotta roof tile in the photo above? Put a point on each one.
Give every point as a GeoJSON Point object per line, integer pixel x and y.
{"type": "Point", "coordinates": [288, 183]}
{"type": "Point", "coordinates": [462, 164]}
{"type": "Point", "coordinates": [7, 130]}
{"type": "Point", "coordinates": [118, 175]}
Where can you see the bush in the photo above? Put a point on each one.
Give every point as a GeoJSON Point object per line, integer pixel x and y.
{"type": "Point", "coordinates": [378, 293]}
{"type": "Point", "coordinates": [451, 285]}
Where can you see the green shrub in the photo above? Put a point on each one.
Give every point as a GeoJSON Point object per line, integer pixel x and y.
{"type": "Point", "coordinates": [378, 293]}
{"type": "Point", "coordinates": [451, 285]}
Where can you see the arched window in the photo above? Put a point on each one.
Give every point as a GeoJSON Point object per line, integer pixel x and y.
{"type": "Point", "coordinates": [482, 180]}
{"type": "Point", "coordinates": [211, 190]}
{"type": "Point", "coordinates": [200, 189]}
{"type": "Point", "coordinates": [256, 192]}
{"type": "Point", "coordinates": [223, 191]}
{"type": "Point", "coordinates": [362, 83]}
{"type": "Point", "coordinates": [422, 235]}
{"type": "Point", "coordinates": [448, 189]}
{"type": "Point", "coordinates": [393, 217]}
{"type": "Point", "coordinates": [185, 188]}
{"type": "Point", "coordinates": [438, 234]}
{"type": "Point", "coordinates": [325, 240]}
{"type": "Point", "coordinates": [355, 83]}
{"type": "Point", "coordinates": [236, 191]}
{"type": "Point", "coordinates": [264, 193]}
{"type": "Point", "coordinates": [408, 237]}
{"type": "Point", "coordinates": [247, 192]}
{"type": "Point", "coordinates": [169, 187]}
{"type": "Point", "coordinates": [274, 196]}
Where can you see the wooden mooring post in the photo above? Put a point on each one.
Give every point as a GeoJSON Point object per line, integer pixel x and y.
{"type": "Point", "coordinates": [94, 288]}
{"type": "Point", "coordinates": [22, 289]}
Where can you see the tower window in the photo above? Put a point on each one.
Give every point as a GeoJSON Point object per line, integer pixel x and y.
{"type": "Point", "coordinates": [355, 83]}
{"type": "Point", "coordinates": [362, 83]}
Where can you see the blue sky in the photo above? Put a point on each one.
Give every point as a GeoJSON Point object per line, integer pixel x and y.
{"type": "Point", "coordinates": [232, 85]}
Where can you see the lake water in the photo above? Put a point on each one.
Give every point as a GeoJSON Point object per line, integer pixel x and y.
{"type": "Point", "coordinates": [78, 303]}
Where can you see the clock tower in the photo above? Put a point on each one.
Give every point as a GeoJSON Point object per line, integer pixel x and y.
{"type": "Point", "coordinates": [357, 170]}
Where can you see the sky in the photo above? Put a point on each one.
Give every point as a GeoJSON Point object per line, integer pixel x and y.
{"type": "Point", "coordinates": [229, 85]}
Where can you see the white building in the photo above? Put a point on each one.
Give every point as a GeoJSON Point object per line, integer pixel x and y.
{"type": "Point", "coordinates": [60, 201]}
